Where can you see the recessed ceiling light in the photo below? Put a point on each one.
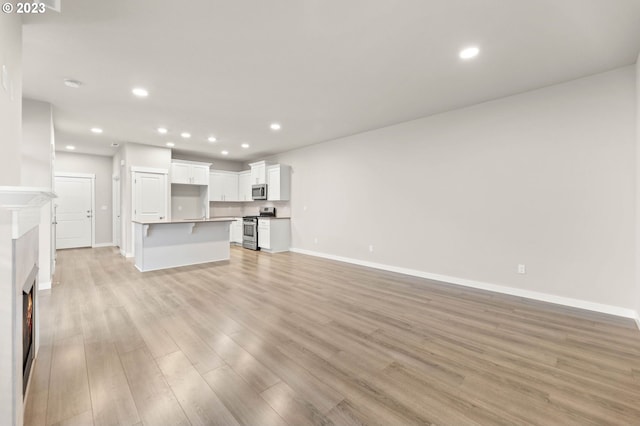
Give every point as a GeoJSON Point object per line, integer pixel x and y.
{"type": "Point", "coordinates": [185, 135]}
{"type": "Point", "coordinates": [70, 147]}
{"type": "Point", "coordinates": [275, 126]}
{"type": "Point", "coordinates": [162, 130]}
{"type": "Point", "coordinates": [74, 84]}
{"type": "Point", "coordinates": [225, 153]}
{"type": "Point", "coordinates": [469, 52]}
{"type": "Point", "coordinates": [211, 139]}
{"type": "Point", "coordinates": [170, 144]}
{"type": "Point", "coordinates": [96, 130]}
{"type": "Point", "coordinates": [245, 145]}
{"type": "Point", "coordinates": [140, 92]}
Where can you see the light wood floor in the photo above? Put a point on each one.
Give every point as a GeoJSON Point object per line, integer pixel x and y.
{"type": "Point", "coordinates": [290, 339]}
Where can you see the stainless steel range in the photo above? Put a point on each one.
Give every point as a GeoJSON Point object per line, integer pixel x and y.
{"type": "Point", "coordinates": [250, 228]}
{"type": "Point", "coordinates": [250, 232]}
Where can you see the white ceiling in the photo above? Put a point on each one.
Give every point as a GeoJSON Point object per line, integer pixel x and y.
{"type": "Point", "coordinates": [322, 68]}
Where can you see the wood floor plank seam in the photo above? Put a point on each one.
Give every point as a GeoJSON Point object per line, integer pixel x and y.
{"type": "Point", "coordinates": [289, 339]}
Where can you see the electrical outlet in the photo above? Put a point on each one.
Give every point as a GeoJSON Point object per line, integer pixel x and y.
{"type": "Point", "coordinates": [371, 248]}
{"type": "Point", "coordinates": [522, 269]}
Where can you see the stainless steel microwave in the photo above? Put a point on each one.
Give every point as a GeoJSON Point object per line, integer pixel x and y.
{"type": "Point", "coordinates": [259, 192]}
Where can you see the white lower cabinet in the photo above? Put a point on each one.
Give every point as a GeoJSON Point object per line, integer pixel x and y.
{"type": "Point", "coordinates": [235, 231]}
{"type": "Point", "coordinates": [274, 235]}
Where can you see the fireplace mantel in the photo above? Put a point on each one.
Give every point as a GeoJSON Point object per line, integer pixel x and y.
{"type": "Point", "coordinates": [21, 209]}
{"type": "Point", "coordinates": [24, 202]}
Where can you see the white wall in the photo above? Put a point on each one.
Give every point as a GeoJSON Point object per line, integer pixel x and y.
{"type": "Point", "coordinates": [544, 178]}
{"type": "Point", "coordinates": [101, 166]}
{"type": "Point", "coordinates": [11, 99]}
{"type": "Point", "coordinates": [38, 146]}
{"type": "Point", "coordinates": [10, 138]}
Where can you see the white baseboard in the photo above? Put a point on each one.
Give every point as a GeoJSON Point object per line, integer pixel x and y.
{"type": "Point", "coordinates": [44, 286]}
{"type": "Point", "coordinates": [103, 245]}
{"type": "Point", "coordinates": [527, 294]}
{"type": "Point", "coordinates": [129, 255]}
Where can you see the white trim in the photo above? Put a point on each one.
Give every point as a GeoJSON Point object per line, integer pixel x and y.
{"type": "Point", "coordinates": [93, 211]}
{"type": "Point", "coordinates": [129, 255]}
{"type": "Point", "coordinates": [194, 163]}
{"type": "Point", "coordinates": [122, 253]}
{"type": "Point", "coordinates": [77, 175]}
{"type": "Point", "coordinates": [44, 286]}
{"type": "Point", "coordinates": [637, 318]}
{"type": "Point", "coordinates": [102, 245]}
{"type": "Point", "coordinates": [527, 294]}
{"type": "Point", "coordinates": [149, 170]}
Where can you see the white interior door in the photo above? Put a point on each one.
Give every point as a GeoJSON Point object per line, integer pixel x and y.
{"type": "Point", "coordinates": [149, 196]}
{"type": "Point", "coordinates": [74, 211]}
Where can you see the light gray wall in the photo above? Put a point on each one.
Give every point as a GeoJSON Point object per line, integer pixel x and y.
{"type": "Point", "coordinates": [11, 100]}
{"type": "Point", "coordinates": [102, 167]}
{"type": "Point", "coordinates": [638, 190]}
{"type": "Point", "coordinates": [37, 143]}
{"type": "Point", "coordinates": [38, 146]}
{"type": "Point", "coordinates": [216, 164]}
{"type": "Point", "coordinates": [136, 155]}
{"type": "Point", "coordinates": [544, 178]}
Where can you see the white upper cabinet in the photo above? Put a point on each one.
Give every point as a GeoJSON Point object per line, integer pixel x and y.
{"type": "Point", "coordinates": [189, 172]}
{"type": "Point", "coordinates": [244, 186]}
{"type": "Point", "coordinates": [258, 172]}
{"type": "Point", "coordinates": [200, 175]}
{"type": "Point", "coordinates": [278, 182]}
{"type": "Point", "coordinates": [223, 186]}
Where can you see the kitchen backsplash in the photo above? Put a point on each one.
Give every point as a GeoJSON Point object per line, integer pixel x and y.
{"type": "Point", "coordinates": [253, 209]}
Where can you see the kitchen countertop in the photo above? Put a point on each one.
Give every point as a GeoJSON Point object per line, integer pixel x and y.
{"type": "Point", "coordinates": [259, 217]}
{"type": "Point", "coordinates": [211, 219]}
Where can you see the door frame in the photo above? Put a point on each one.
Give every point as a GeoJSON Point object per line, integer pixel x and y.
{"type": "Point", "coordinates": [116, 212]}
{"type": "Point", "coordinates": [91, 176]}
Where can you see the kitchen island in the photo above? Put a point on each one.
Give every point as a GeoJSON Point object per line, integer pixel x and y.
{"type": "Point", "coordinates": [168, 244]}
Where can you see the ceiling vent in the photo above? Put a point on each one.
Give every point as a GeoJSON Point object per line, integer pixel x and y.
{"type": "Point", "coordinates": [51, 4]}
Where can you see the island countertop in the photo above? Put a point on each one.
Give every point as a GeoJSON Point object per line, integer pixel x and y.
{"type": "Point", "coordinates": [212, 219]}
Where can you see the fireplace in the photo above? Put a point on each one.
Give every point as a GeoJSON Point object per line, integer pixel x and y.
{"type": "Point", "coordinates": [21, 212]}
{"type": "Point", "coordinates": [28, 326]}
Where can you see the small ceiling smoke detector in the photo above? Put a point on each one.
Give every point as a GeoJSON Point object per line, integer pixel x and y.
{"type": "Point", "coordinates": [74, 84]}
